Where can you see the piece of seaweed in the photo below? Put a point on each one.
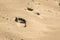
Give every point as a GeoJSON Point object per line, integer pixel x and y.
{"type": "Point", "coordinates": [29, 9]}
{"type": "Point", "coordinates": [20, 20]}
{"type": "Point", "coordinates": [38, 13]}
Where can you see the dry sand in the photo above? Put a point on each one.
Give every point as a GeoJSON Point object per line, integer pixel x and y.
{"type": "Point", "coordinates": [42, 20]}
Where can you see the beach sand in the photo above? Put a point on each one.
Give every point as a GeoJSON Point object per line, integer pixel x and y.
{"type": "Point", "coordinates": [42, 19]}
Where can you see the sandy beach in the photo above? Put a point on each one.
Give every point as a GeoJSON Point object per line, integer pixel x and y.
{"type": "Point", "coordinates": [29, 19]}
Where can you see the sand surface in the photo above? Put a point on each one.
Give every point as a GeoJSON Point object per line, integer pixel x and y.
{"type": "Point", "coordinates": [42, 19]}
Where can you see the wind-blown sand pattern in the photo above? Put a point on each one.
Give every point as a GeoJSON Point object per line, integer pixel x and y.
{"type": "Point", "coordinates": [39, 20]}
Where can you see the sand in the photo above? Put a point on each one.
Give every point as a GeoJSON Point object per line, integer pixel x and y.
{"type": "Point", "coordinates": [42, 19]}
